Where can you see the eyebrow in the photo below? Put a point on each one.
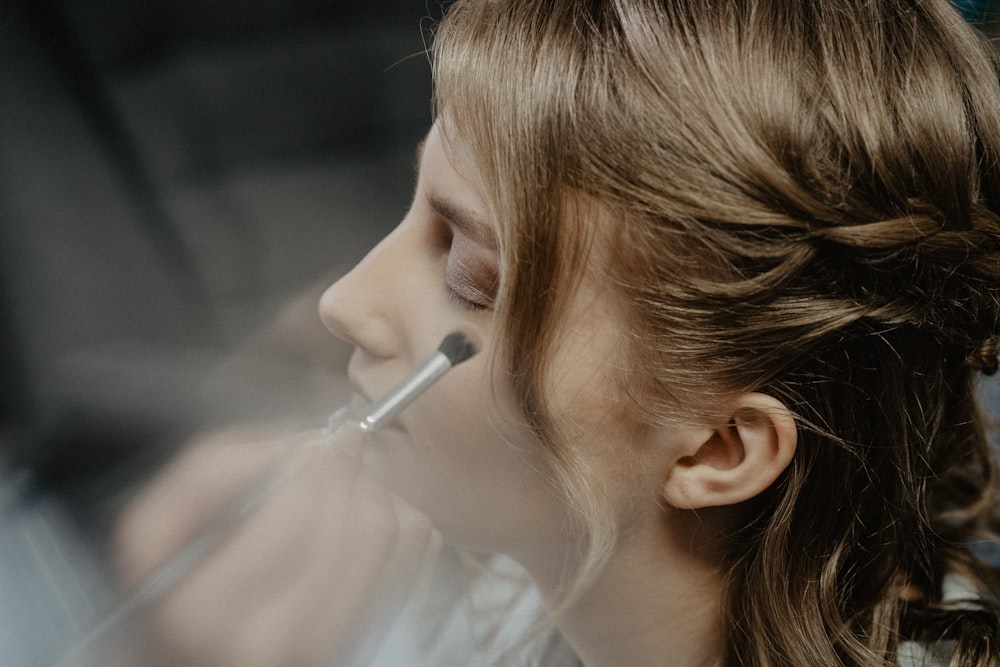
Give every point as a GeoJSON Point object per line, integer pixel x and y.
{"type": "Point", "coordinates": [464, 220]}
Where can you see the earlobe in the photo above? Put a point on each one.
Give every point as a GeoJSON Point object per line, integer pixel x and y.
{"type": "Point", "coordinates": [738, 460]}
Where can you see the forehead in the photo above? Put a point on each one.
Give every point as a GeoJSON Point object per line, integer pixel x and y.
{"type": "Point", "coordinates": [454, 187]}
{"type": "Point", "coordinates": [448, 185]}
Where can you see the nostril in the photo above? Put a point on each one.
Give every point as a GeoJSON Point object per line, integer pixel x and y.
{"type": "Point", "coordinates": [349, 316]}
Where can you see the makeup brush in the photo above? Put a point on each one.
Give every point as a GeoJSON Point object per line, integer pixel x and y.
{"type": "Point", "coordinates": [454, 349]}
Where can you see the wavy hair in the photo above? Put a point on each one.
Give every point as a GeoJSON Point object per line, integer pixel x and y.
{"type": "Point", "coordinates": [802, 199]}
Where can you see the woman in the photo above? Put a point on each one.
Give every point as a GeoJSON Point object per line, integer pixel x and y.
{"type": "Point", "coordinates": [735, 269]}
{"type": "Point", "coordinates": [738, 263]}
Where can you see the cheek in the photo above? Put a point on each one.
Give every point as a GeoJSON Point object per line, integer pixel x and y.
{"type": "Point", "coordinates": [590, 409]}
{"type": "Point", "coordinates": [468, 462]}
{"type": "Point", "coordinates": [591, 419]}
{"type": "Point", "coordinates": [583, 389]}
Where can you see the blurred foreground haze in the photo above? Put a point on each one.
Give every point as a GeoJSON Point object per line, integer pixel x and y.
{"type": "Point", "coordinates": [173, 177]}
{"type": "Point", "coordinates": [178, 181]}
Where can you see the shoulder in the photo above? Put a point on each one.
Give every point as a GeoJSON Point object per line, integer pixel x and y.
{"type": "Point", "coordinates": [960, 593]}
{"type": "Point", "coordinates": [920, 654]}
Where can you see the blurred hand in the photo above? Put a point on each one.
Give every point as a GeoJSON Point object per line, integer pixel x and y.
{"type": "Point", "coordinates": [312, 577]}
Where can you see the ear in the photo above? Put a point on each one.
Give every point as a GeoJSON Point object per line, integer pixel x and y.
{"type": "Point", "coordinates": [738, 460]}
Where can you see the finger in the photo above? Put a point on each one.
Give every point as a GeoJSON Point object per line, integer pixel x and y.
{"type": "Point", "coordinates": [254, 565]}
{"type": "Point", "coordinates": [395, 557]}
{"type": "Point", "coordinates": [342, 590]}
{"type": "Point", "coordinates": [206, 478]}
{"type": "Point", "coordinates": [172, 508]}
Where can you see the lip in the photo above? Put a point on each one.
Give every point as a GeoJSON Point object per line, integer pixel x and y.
{"type": "Point", "coordinates": [361, 401]}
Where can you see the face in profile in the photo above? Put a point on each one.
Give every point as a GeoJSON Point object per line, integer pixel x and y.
{"type": "Point", "coordinates": [462, 452]}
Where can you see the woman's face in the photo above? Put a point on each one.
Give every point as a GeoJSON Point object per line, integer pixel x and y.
{"type": "Point", "coordinates": [461, 453]}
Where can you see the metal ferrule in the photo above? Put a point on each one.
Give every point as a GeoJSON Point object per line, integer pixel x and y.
{"type": "Point", "coordinates": [405, 393]}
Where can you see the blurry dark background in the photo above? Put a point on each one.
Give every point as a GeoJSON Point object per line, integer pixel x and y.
{"type": "Point", "coordinates": [177, 180]}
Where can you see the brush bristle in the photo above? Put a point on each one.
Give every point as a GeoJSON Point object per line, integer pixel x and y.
{"type": "Point", "coordinates": [457, 347]}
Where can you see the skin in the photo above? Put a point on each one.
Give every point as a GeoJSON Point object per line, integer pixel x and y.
{"type": "Point", "coordinates": [461, 452]}
{"type": "Point", "coordinates": [329, 556]}
{"type": "Point", "coordinates": [462, 459]}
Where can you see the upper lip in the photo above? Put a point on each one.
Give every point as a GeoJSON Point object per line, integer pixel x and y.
{"type": "Point", "coordinates": [357, 386]}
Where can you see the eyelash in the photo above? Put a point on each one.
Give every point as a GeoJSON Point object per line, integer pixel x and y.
{"type": "Point", "coordinates": [460, 301]}
{"type": "Point", "coordinates": [453, 294]}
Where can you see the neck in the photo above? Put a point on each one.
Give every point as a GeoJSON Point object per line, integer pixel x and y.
{"type": "Point", "coordinates": [651, 605]}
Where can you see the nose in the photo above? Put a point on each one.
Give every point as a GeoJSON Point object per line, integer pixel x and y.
{"type": "Point", "coordinates": [364, 306]}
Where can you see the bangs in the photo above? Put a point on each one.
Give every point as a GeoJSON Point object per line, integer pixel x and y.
{"type": "Point", "coordinates": [509, 85]}
{"type": "Point", "coordinates": [505, 82]}
{"type": "Point", "coordinates": [506, 87]}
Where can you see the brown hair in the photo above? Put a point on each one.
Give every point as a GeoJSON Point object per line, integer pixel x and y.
{"type": "Point", "coordinates": [804, 197]}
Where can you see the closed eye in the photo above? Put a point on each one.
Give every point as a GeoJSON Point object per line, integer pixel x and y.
{"type": "Point", "coordinates": [469, 284]}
